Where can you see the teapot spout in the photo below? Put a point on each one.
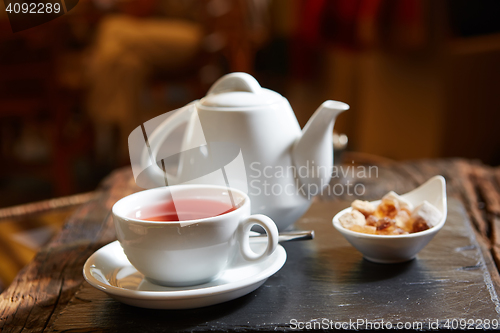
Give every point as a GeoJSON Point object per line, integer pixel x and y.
{"type": "Point", "coordinates": [313, 151]}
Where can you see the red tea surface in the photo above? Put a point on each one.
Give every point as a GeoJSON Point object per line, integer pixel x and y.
{"type": "Point", "coordinates": [183, 210]}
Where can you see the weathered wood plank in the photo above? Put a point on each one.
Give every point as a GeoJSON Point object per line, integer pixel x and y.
{"type": "Point", "coordinates": [471, 197]}
{"type": "Point", "coordinates": [45, 285]}
{"type": "Point", "coordinates": [489, 192]}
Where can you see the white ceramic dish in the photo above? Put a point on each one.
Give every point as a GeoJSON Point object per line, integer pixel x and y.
{"type": "Point", "coordinates": [109, 270]}
{"type": "Point", "coordinates": [389, 249]}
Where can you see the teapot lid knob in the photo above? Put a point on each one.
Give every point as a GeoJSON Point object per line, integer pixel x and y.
{"type": "Point", "coordinates": [235, 82]}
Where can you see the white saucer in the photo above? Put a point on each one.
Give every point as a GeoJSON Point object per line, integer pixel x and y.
{"type": "Point", "coordinates": [109, 270]}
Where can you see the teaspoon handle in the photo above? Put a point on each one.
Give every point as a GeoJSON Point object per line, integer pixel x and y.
{"type": "Point", "coordinates": [288, 236]}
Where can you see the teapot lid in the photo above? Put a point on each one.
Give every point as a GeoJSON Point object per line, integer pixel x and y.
{"type": "Point", "coordinates": [239, 90]}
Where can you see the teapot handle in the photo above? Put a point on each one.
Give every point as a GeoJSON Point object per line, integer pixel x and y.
{"type": "Point", "coordinates": [157, 138]}
{"type": "Point", "coordinates": [236, 82]}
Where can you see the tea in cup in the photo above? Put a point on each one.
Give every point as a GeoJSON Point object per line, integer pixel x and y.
{"type": "Point", "coordinates": [186, 235]}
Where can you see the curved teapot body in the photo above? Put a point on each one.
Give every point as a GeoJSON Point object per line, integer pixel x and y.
{"type": "Point", "coordinates": [265, 138]}
{"type": "Point", "coordinates": [246, 137]}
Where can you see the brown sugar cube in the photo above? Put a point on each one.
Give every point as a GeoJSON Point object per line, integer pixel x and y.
{"type": "Point", "coordinates": [419, 225]}
{"type": "Point", "coordinates": [352, 218]}
{"type": "Point", "coordinates": [404, 221]}
{"type": "Point", "coordinates": [399, 231]}
{"type": "Point", "coordinates": [403, 203]}
{"type": "Point", "coordinates": [385, 223]}
{"type": "Point", "coordinates": [366, 229]}
{"type": "Point", "coordinates": [428, 213]}
{"type": "Point", "coordinates": [386, 226]}
{"type": "Point", "coordinates": [387, 208]}
{"type": "Point", "coordinates": [364, 207]}
{"type": "Point", "coordinates": [372, 220]}
{"type": "Point", "coordinates": [394, 231]}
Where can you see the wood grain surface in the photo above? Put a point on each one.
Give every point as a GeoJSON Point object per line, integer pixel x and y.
{"type": "Point", "coordinates": [324, 278]}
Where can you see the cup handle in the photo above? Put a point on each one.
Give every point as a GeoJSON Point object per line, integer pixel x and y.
{"type": "Point", "coordinates": [272, 236]}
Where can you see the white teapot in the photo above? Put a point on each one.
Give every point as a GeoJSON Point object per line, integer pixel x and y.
{"type": "Point", "coordinates": [247, 137]}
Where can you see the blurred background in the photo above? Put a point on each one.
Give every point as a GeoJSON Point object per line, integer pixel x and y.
{"type": "Point", "coordinates": [421, 76]}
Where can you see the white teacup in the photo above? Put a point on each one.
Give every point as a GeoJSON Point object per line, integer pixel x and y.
{"type": "Point", "coordinates": [188, 252]}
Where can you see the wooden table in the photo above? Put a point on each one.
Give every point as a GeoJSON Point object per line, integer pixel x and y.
{"type": "Point", "coordinates": [324, 282]}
